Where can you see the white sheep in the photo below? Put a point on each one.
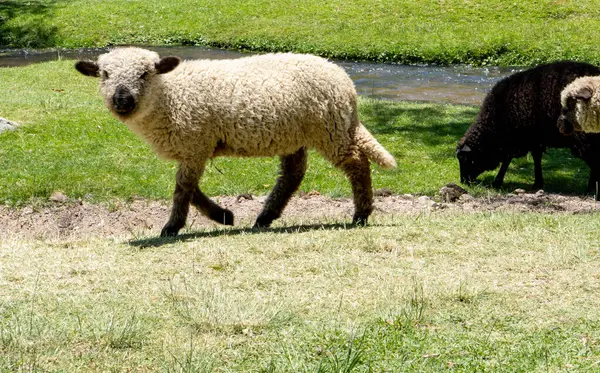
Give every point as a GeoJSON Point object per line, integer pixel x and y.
{"type": "Point", "coordinates": [274, 104]}
{"type": "Point", "coordinates": [580, 102]}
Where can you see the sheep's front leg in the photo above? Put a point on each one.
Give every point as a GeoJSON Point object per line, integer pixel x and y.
{"type": "Point", "coordinates": [179, 212]}
{"type": "Point", "coordinates": [186, 183]}
{"type": "Point", "coordinates": [593, 183]}
{"type": "Point", "coordinates": [499, 180]}
{"type": "Point", "coordinates": [537, 169]}
{"type": "Point", "coordinates": [210, 209]}
{"type": "Point", "coordinates": [292, 171]}
{"type": "Point", "coordinates": [186, 192]}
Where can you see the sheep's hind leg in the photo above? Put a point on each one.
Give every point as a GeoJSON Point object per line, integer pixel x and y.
{"type": "Point", "coordinates": [357, 169]}
{"type": "Point", "coordinates": [293, 167]}
{"type": "Point", "coordinates": [210, 209]}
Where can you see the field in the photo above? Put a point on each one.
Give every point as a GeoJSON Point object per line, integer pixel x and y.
{"type": "Point", "coordinates": [418, 290]}
{"type": "Point", "coordinates": [498, 281]}
{"type": "Point", "coordinates": [480, 32]}
{"type": "Point", "coordinates": [495, 283]}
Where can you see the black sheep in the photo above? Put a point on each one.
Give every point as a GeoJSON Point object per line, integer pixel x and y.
{"type": "Point", "coordinates": [519, 116]}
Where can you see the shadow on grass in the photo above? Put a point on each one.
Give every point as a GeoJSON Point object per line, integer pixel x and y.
{"type": "Point", "coordinates": [23, 24]}
{"type": "Point", "coordinates": [433, 125]}
{"type": "Point", "coordinates": [160, 241]}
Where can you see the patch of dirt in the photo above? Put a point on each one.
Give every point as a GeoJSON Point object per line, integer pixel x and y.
{"type": "Point", "coordinates": [65, 218]}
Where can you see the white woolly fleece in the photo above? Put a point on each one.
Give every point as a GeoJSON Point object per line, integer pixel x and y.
{"type": "Point", "coordinates": [587, 112]}
{"type": "Point", "coordinates": [263, 105]}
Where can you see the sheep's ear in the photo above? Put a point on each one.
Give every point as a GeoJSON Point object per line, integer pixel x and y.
{"type": "Point", "coordinates": [461, 151]}
{"type": "Point", "coordinates": [584, 93]}
{"type": "Point", "coordinates": [88, 68]}
{"type": "Point", "coordinates": [166, 64]}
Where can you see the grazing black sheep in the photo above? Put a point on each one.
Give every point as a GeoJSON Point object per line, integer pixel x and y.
{"type": "Point", "coordinates": [519, 115]}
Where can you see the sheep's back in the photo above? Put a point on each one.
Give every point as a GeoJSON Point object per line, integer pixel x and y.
{"type": "Point", "coordinates": [519, 114]}
{"type": "Point", "coordinates": [266, 104]}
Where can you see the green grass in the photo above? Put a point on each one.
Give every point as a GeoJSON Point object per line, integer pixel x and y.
{"type": "Point", "coordinates": [429, 293]}
{"type": "Point", "coordinates": [69, 142]}
{"type": "Point", "coordinates": [444, 32]}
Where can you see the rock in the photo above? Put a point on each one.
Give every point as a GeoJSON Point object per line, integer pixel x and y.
{"type": "Point", "coordinates": [6, 125]}
{"type": "Point", "coordinates": [383, 192]}
{"type": "Point", "coordinates": [59, 197]}
{"type": "Point", "coordinates": [305, 195]}
{"type": "Point", "coordinates": [451, 192]}
{"type": "Point", "coordinates": [246, 196]}
{"type": "Point", "coordinates": [539, 193]}
{"type": "Point", "coordinates": [519, 191]}
{"type": "Point", "coordinates": [424, 199]}
{"type": "Point", "coordinates": [466, 197]}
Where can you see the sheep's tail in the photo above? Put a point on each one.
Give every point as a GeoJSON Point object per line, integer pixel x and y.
{"type": "Point", "coordinates": [373, 149]}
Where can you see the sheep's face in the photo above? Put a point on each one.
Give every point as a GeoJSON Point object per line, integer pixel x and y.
{"type": "Point", "coordinates": [568, 121]}
{"type": "Point", "coordinates": [125, 76]}
{"type": "Point", "coordinates": [473, 162]}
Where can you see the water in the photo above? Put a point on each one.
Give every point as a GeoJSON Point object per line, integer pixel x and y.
{"type": "Point", "coordinates": [455, 84]}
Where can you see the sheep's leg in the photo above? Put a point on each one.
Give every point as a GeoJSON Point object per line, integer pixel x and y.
{"type": "Point", "coordinates": [210, 209]}
{"type": "Point", "coordinates": [538, 182]}
{"type": "Point", "coordinates": [593, 183]}
{"type": "Point", "coordinates": [292, 171]}
{"type": "Point", "coordinates": [179, 212]}
{"type": "Point", "coordinates": [357, 169]}
{"type": "Point", "coordinates": [499, 180]}
{"type": "Point", "coordinates": [186, 182]}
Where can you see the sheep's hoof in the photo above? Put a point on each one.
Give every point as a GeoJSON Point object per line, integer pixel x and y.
{"type": "Point", "coordinates": [360, 221]}
{"type": "Point", "coordinates": [265, 219]}
{"type": "Point", "coordinates": [169, 231]}
{"type": "Point", "coordinates": [222, 216]}
{"type": "Point", "coordinates": [497, 184]}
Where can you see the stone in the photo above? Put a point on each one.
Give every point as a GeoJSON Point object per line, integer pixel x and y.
{"type": "Point", "coordinates": [7, 125]}
{"type": "Point", "coordinates": [59, 197]}
{"type": "Point", "coordinates": [451, 192]}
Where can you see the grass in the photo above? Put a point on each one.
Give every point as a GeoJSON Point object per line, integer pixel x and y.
{"type": "Point", "coordinates": [429, 293]}
{"type": "Point", "coordinates": [480, 32]}
{"type": "Point", "coordinates": [69, 142]}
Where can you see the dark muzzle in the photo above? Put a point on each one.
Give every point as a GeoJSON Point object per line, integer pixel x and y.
{"type": "Point", "coordinates": [565, 126]}
{"type": "Point", "coordinates": [123, 101]}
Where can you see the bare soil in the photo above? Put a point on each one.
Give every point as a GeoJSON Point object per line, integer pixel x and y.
{"type": "Point", "coordinates": [66, 218]}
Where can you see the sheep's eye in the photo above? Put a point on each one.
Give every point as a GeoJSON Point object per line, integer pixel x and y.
{"type": "Point", "coordinates": [104, 74]}
{"type": "Point", "coordinates": [144, 75]}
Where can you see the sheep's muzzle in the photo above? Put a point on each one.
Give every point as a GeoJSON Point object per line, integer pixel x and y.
{"type": "Point", "coordinates": [123, 101]}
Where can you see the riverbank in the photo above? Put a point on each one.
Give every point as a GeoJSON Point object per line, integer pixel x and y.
{"type": "Point", "coordinates": [449, 32]}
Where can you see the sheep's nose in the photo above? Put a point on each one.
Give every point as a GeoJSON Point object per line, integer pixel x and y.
{"type": "Point", "coordinates": [123, 100]}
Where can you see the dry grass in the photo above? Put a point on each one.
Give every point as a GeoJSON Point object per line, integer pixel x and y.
{"type": "Point", "coordinates": [428, 292]}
